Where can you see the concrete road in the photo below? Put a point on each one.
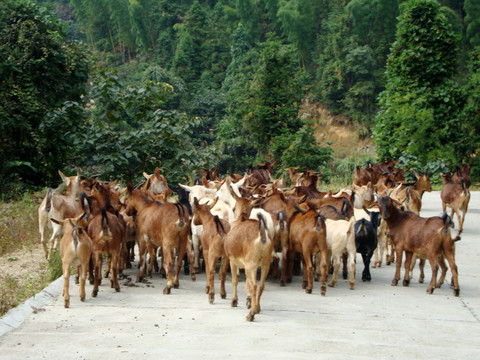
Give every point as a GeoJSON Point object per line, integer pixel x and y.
{"type": "Point", "coordinates": [374, 321]}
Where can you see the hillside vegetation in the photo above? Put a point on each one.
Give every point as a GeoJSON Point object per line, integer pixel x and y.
{"type": "Point", "coordinates": [120, 87]}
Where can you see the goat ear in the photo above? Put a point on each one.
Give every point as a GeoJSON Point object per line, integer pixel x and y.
{"type": "Point", "coordinates": [212, 205]}
{"type": "Point", "coordinates": [129, 187]}
{"type": "Point", "coordinates": [145, 175]}
{"type": "Point", "coordinates": [79, 218]}
{"type": "Point", "coordinates": [62, 175]}
{"type": "Point", "coordinates": [195, 201]}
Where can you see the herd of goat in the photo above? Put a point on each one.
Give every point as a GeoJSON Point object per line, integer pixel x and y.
{"type": "Point", "coordinates": [252, 222]}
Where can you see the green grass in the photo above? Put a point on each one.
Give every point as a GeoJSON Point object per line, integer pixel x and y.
{"type": "Point", "coordinates": [19, 232]}
{"type": "Point", "coordinates": [19, 224]}
{"type": "Point", "coordinates": [14, 291]}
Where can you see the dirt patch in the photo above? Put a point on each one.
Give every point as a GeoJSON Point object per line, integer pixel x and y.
{"type": "Point", "coordinates": [336, 130]}
{"type": "Point", "coordinates": [22, 263]}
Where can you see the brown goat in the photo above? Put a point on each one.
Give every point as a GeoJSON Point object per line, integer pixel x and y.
{"type": "Point", "coordinates": [463, 173]}
{"type": "Point", "coordinates": [214, 230]}
{"type": "Point", "coordinates": [456, 196]}
{"type": "Point", "coordinates": [248, 246]}
{"type": "Point", "coordinates": [429, 237]}
{"type": "Point", "coordinates": [75, 250]}
{"type": "Point", "coordinates": [307, 235]}
{"type": "Point", "coordinates": [343, 204]}
{"type": "Point", "coordinates": [163, 225]}
{"type": "Point", "coordinates": [106, 232]}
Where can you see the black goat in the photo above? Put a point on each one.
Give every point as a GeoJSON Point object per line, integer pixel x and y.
{"type": "Point", "coordinates": [366, 240]}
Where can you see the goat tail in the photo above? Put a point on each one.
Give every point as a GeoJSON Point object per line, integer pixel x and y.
{"type": "Point", "coordinates": [319, 222]}
{"type": "Point", "coordinates": [465, 188]}
{"type": "Point", "coordinates": [104, 222]}
{"type": "Point", "coordinates": [448, 223]}
{"type": "Point", "coordinates": [219, 225]}
{"type": "Point", "coordinates": [48, 205]}
{"type": "Point", "coordinates": [75, 237]}
{"type": "Point", "coordinates": [281, 219]}
{"type": "Point", "coordinates": [262, 228]}
{"type": "Point", "coordinates": [181, 214]}
{"type": "Point", "coordinates": [361, 227]}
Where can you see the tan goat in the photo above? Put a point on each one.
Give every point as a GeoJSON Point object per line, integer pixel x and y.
{"type": "Point", "coordinates": [248, 246]}
{"type": "Point", "coordinates": [340, 240]}
{"type": "Point", "coordinates": [59, 206]}
{"type": "Point", "coordinates": [75, 250]}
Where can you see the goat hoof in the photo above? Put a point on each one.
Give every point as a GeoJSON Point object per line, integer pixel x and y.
{"type": "Point", "coordinates": [94, 293]}
{"type": "Point", "coordinates": [394, 282]}
{"type": "Point", "coordinates": [166, 291]}
{"type": "Point", "coordinates": [282, 282]}
{"type": "Point", "coordinates": [250, 316]}
{"type": "Point", "coordinates": [82, 298]}
{"type": "Point", "coordinates": [308, 290]}
{"type": "Point", "coordinates": [117, 289]}
{"type": "Point", "coordinates": [249, 302]}
{"type": "Point", "coordinates": [304, 284]}
{"type": "Point", "coordinates": [289, 281]}
{"type": "Point", "coordinates": [406, 282]}
{"type": "Point", "coordinates": [176, 285]}
{"type": "Point", "coordinates": [430, 291]}
{"type": "Point", "coordinates": [456, 291]}
{"type": "Point", "coordinates": [194, 277]}
{"type": "Point", "coordinates": [211, 298]}
{"type": "Point", "coordinates": [421, 281]}
{"type": "Point", "coordinates": [186, 271]}
{"type": "Point", "coordinates": [345, 276]}
{"type": "Point", "coordinates": [331, 284]}
{"type": "Point", "coordinates": [323, 290]}
{"type": "Point", "coordinates": [66, 304]}
{"type": "Point", "coordinates": [223, 295]}
{"type": "Point", "coordinates": [234, 303]}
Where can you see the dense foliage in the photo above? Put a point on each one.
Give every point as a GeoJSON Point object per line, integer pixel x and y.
{"type": "Point", "coordinates": [40, 69]}
{"type": "Point", "coordinates": [237, 72]}
{"type": "Point", "coordinates": [421, 107]}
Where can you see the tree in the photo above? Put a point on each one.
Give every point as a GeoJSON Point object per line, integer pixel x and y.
{"type": "Point", "coordinates": [420, 106]}
{"type": "Point", "coordinates": [472, 18]}
{"type": "Point", "coordinates": [128, 132]}
{"type": "Point", "coordinates": [39, 72]}
{"type": "Point", "coordinates": [276, 94]}
{"type": "Point", "coordinates": [333, 47]}
{"type": "Point", "coordinates": [470, 144]}
{"type": "Point", "coordinates": [233, 137]}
